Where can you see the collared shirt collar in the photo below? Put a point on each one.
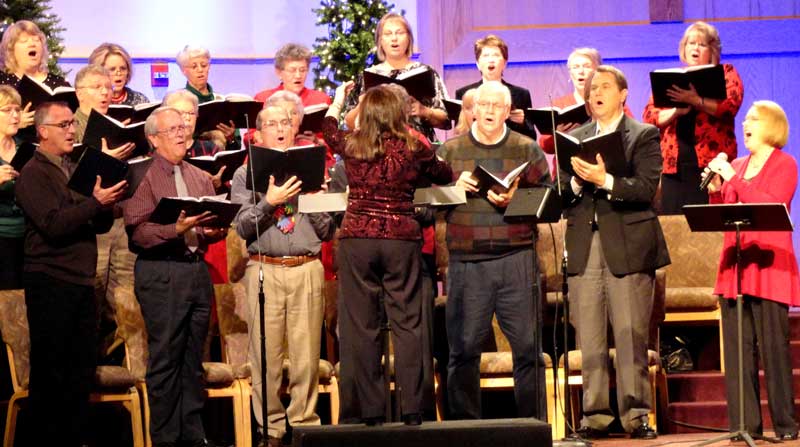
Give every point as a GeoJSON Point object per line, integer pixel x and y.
{"type": "Point", "coordinates": [163, 164]}
{"type": "Point", "coordinates": [474, 131]}
{"type": "Point", "coordinates": [203, 98]}
{"type": "Point", "coordinates": [612, 127]}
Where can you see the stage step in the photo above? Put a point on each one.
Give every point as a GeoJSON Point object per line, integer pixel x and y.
{"type": "Point", "coordinates": [710, 414]}
{"type": "Point", "coordinates": [702, 386]}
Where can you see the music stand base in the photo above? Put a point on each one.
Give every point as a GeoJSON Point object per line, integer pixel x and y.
{"type": "Point", "coordinates": [742, 435]}
{"type": "Point", "coordinates": [572, 442]}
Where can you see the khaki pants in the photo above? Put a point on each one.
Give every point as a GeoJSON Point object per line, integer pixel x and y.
{"type": "Point", "coordinates": [114, 272]}
{"type": "Point", "coordinates": [293, 323]}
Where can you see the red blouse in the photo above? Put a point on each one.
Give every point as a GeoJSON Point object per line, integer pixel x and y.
{"type": "Point", "coordinates": [770, 267]}
{"type": "Point", "coordinates": [712, 133]}
{"type": "Point", "coordinates": [380, 203]}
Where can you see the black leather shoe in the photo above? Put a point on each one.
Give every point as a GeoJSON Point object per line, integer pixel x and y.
{"type": "Point", "coordinates": [412, 419]}
{"type": "Point", "coordinates": [644, 431]}
{"type": "Point", "coordinates": [586, 432]}
{"type": "Point", "coordinates": [374, 421]}
{"type": "Point", "coordinates": [787, 436]}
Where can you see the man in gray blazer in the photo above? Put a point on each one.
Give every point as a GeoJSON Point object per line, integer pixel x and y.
{"type": "Point", "coordinates": [615, 244]}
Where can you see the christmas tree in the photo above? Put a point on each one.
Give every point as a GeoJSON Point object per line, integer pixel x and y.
{"type": "Point", "coordinates": [38, 12]}
{"type": "Point", "coordinates": [349, 47]}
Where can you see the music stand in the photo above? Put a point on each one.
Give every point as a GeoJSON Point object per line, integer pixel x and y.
{"type": "Point", "coordinates": [739, 217]}
{"type": "Point", "coordinates": [538, 204]}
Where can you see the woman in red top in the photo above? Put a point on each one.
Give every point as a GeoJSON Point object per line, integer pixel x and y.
{"type": "Point", "coordinates": [770, 281]}
{"type": "Point", "coordinates": [379, 247]}
{"type": "Point", "coordinates": [693, 135]}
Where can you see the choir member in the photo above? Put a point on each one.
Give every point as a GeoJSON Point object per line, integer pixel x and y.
{"type": "Point", "coordinates": [117, 61]}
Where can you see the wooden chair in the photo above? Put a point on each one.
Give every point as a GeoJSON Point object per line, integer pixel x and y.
{"type": "Point", "coordinates": [220, 378]}
{"type": "Point", "coordinates": [113, 384]}
{"type": "Point", "coordinates": [690, 299]}
{"type": "Point", "coordinates": [233, 315]}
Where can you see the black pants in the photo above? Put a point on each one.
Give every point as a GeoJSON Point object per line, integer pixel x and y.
{"type": "Point", "coordinates": [175, 298]}
{"type": "Point", "coordinates": [765, 332]}
{"type": "Point", "coordinates": [62, 320]}
{"type": "Point", "coordinates": [369, 268]}
{"type": "Point", "coordinates": [13, 251]}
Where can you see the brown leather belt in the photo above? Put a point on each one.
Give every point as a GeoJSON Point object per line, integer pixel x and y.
{"type": "Point", "coordinates": [285, 261]}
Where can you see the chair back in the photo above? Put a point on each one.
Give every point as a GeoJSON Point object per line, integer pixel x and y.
{"type": "Point", "coordinates": [16, 335]}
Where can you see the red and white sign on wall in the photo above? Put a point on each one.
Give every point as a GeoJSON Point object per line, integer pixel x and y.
{"type": "Point", "coordinates": [159, 74]}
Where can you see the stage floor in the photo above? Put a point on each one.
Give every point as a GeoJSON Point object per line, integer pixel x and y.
{"type": "Point", "coordinates": [681, 440]}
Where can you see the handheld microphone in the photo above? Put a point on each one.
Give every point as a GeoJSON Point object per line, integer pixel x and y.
{"type": "Point", "coordinates": [704, 184]}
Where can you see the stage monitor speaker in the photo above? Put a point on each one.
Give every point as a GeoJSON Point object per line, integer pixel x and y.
{"type": "Point", "coordinates": [520, 432]}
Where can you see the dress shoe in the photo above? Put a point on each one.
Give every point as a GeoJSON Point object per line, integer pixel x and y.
{"type": "Point", "coordinates": [644, 431]}
{"type": "Point", "coordinates": [412, 419]}
{"type": "Point", "coordinates": [586, 432]}
{"type": "Point", "coordinates": [787, 436]}
{"type": "Point", "coordinates": [374, 421]}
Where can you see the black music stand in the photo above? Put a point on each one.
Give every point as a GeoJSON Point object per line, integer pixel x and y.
{"type": "Point", "coordinates": [538, 204]}
{"type": "Point", "coordinates": [738, 217]}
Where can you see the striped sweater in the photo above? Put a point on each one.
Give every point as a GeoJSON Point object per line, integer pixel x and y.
{"type": "Point", "coordinates": [477, 230]}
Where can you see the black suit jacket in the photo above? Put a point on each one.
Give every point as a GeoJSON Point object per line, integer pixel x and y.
{"type": "Point", "coordinates": [520, 99]}
{"type": "Point", "coordinates": [629, 229]}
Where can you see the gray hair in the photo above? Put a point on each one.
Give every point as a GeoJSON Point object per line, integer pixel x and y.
{"type": "Point", "coordinates": [151, 126]}
{"type": "Point", "coordinates": [285, 95]}
{"type": "Point", "coordinates": [90, 70]}
{"type": "Point", "coordinates": [263, 113]}
{"type": "Point", "coordinates": [189, 52]}
{"type": "Point", "coordinates": [589, 53]}
{"type": "Point", "coordinates": [181, 95]}
{"type": "Point", "coordinates": [493, 87]}
{"type": "Point", "coordinates": [43, 112]}
{"type": "Point", "coordinates": [292, 52]}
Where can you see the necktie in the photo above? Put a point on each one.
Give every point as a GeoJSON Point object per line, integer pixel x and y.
{"type": "Point", "coordinates": [190, 237]}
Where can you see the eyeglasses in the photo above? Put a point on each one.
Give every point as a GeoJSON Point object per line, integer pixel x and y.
{"type": "Point", "coordinates": [276, 124]}
{"type": "Point", "coordinates": [490, 105]}
{"type": "Point", "coordinates": [302, 70]}
{"type": "Point", "coordinates": [62, 125]}
{"type": "Point", "coordinates": [173, 131]}
{"type": "Point", "coordinates": [10, 110]}
{"type": "Point", "coordinates": [96, 87]}
{"type": "Point", "coordinates": [398, 34]}
{"type": "Point", "coordinates": [118, 70]}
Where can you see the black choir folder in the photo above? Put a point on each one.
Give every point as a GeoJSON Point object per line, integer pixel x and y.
{"type": "Point", "coordinates": [241, 109]}
{"type": "Point", "coordinates": [37, 93]}
{"type": "Point", "coordinates": [213, 163]}
{"type": "Point", "coordinates": [136, 114]}
{"type": "Point", "coordinates": [708, 80]}
{"type": "Point", "coordinates": [169, 208]}
{"type": "Point", "coordinates": [94, 162]}
{"type": "Point", "coordinates": [543, 119]}
{"type": "Point", "coordinates": [488, 181]}
{"type": "Point", "coordinates": [609, 146]}
{"type": "Point", "coordinates": [305, 162]}
{"type": "Point", "coordinates": [116, 134]}
{"type": "Point", "coordinates": [23, 155]}
{"type": "Point", "coordinates": [453, 107]}
{"type": "Point", "coordinates": [419, 82]}
{"type": "Point", "coordinates": [312, 118]}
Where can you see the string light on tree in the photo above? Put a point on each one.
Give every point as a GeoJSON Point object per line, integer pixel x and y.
{"type": "Point", "coordinates": [346, 50]}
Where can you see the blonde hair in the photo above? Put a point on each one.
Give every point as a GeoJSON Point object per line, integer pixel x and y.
{"type": "Point", "coordinates": [379, 32]}
{"type": "Point", "coordinates": [467, 102]}
{"type": "Point", "coordinates": [8, 61]}
{"type": "Point", "coordinates": [181, 95]}
{"type": "Point", "coordinates": [589, 53]}
{"type": "Point", "coordinates": [101, 53]}
{"type": "Point", "coordinates": [776, 123]}
{"type": "Point", "coordinates": [9, 95]}
{"type": "Point", "coordinates": [712, 40]}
